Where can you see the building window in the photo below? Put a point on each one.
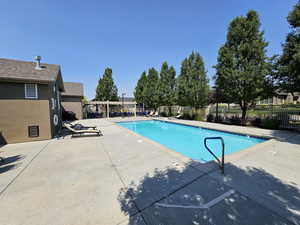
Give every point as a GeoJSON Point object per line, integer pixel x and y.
{"type": "Point", "coordinates": [31, 91]}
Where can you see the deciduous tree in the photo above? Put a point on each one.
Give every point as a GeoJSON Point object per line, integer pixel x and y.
{"type": "Point", "coordinates": [288, 75]}
{"type": "Point", "coordinates": [242, 67]}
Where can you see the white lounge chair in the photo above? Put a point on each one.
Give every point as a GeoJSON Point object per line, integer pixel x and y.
{"type": "Point", "coordinates": [156, 114]}
{"type": "Point", "coordinates": [85, 130]}
{"type": "Point", "coordinates": [178, 116]}
{"type": "Point", "coordinates": [150, 114]}
{"type": "Point", "coordinates": [78, 126]}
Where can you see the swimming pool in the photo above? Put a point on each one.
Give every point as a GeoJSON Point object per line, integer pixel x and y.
{"type": "Point", "coordinates": [189, 140]}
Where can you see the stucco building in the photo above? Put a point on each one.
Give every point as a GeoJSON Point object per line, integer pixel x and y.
{"type": "Point", "coordinates": [281, 98]}
{"type": "Point", "coordinates": [72, 98]}
{"type": "Point", "coordinates": [30, 100]}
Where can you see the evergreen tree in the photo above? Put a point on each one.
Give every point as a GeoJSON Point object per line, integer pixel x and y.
{"type": "Point", "coordinates": [192, 83]}
{"type": "Point", "coordinates": [151, 93]}
{"type": "Point", "coordinates": [288, 75]}
{"type": "Point", "coordinates": [294, 16]}
{"type": "Point", "coordinates": [106, 89]}
{"type": "Point", "coordinates": [139, 92]}
{"type": "Point", "coordinates": [242, 69]}
{"type": "Point", "coordinates": [166, 86]}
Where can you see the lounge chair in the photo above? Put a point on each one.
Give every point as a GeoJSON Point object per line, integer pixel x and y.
{"type": "Point", "coordinates": [150, 114]}
{"type": "Point", "coordinates": [84, 130]}
{"type": "Point", "coordinates": [2, 159]}
{"type": "Point", "coordinates": [175, 117]}
{"type": "Point", "coordinates": [178, 116]}
{"type": "Point", "coordinates": [156, 114]}
{"type": "Point", "coordinates": [79, 126]}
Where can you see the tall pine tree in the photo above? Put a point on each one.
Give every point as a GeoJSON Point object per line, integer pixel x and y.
{"type": "Point", "coordinates": [242, 69]}
{"type": "Point", "coordinates": [166, 86]}
{"type": "Point", "coordinates": [150, 92]}
{"type": "Point", "coordinates": [192, 83]}
{"type": "Point", "coordinates": [139, 92]}
{"type": "Point", "coordinates": [289, 62]}
{"type": "Point", "coordinates": [106, 89]}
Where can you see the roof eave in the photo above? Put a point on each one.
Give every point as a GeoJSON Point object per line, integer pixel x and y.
{"type": "Point", "coordinates": [60, 81]}
{"type": "Point", "coordinates": [20, 80]}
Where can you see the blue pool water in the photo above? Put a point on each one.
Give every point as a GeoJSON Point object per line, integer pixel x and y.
{"type": "Point", "coordinates": [188, 140]}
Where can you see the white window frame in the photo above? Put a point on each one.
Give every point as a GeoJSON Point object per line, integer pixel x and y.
{"type": "Point", "coordinates": [36, 91]}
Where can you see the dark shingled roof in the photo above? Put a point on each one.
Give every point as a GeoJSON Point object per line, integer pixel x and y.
{"type": "Point", "coordinates": [73, 89]}
{"type": "Point", "coordinates": [17, 70]}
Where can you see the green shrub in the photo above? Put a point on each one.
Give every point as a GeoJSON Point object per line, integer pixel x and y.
{"type": "Point", "coordinates": [187, 116]}
{"type": "Point", "coordinates": [163, 114]}
{"type": "Point", "coordinates": [219, 119]}
{"type": "Point", "coordinates": [256, 122]}
{"type": "Point", "coordinates": [235, 120]}
{"type": "Point", "coordinates": [270, 123]}
{"type": "Point", "coordinates": [210, 118]}
{"type": "Point", "coordinates": [198, 117]}
{"type": "Point", "coordinates": [171, 114]}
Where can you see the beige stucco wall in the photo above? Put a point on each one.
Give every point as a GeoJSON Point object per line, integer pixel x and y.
{"type": "Point", "coordinates": [17, 115]}
{"type": "Point", "coordinates": [75, 107]}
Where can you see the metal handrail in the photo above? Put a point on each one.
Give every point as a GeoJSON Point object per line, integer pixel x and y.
{"type": "Point", "coordinates": [221, 162]}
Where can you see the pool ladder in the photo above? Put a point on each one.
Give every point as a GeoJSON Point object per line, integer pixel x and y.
{"type": "Point", "coordinates": [220, 162]}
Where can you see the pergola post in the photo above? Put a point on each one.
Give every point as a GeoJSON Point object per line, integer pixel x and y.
{"type": "Point", "coordinates": [134, 110]}
{"type": "Point", "coordinates": [107, 104]}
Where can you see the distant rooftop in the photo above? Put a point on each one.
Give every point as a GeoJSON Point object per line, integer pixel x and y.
{"type": "Point", "coordinates": [73, 89]}
{"type": "Point", "coordinates": [127, 99]}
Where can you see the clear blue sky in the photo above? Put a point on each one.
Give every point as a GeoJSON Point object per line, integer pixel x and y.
{"type": "Point", "coordinates": [130, 36]}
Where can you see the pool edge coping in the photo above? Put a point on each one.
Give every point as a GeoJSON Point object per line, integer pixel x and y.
{"type": "Point", "coordinates": [225, 131]}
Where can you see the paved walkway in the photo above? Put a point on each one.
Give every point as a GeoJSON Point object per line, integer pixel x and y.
{"type": "Point", "coordinates": [123, 178]}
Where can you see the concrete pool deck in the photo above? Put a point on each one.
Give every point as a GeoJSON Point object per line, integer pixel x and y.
{"type": "Point", "coordinates": [124, 178]}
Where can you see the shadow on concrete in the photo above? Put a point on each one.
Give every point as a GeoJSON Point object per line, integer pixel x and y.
{"type": "Point", "coordinates": [161, 200]}
{"type": "Point", "coordinates": [86, 135]}
{"type": "Point", "coordinates": [11, 159]}
{"type": "Point", "coordinates": [10, 163]}
{"type": "Point", "coordinates": [2, 140]}
{"type": "Point", "coordinates": [4, 169]}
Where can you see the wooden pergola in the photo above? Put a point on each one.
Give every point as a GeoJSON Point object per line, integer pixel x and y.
{"type": "Point", "coordinates": [107, 103]}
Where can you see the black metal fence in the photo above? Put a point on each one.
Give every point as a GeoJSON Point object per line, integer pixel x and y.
{"type": "Point", "coordinates": [288, 116]}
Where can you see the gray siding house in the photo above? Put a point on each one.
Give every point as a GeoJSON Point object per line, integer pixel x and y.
{"type": "Point", "coordinates": [30, 96]}
{"type": "Point", "coordinates": [72, 98]}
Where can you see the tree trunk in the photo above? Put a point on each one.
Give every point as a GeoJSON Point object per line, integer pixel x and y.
{"type": "Point", "coordinates": [217, 112]}
{"type": "Point", "coordinates": [170, 109]}
{"type": "Point", "coordinates": [244, 113]}
{"type": "Point", "coordinates": [244, 108]}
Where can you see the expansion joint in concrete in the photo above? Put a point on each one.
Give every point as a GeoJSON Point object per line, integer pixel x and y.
{"type": "Point", "coordinates": [25, 167]}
